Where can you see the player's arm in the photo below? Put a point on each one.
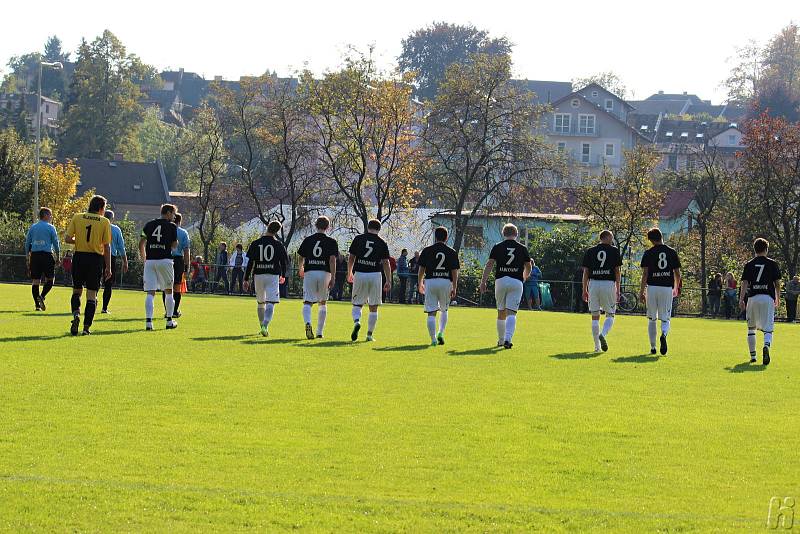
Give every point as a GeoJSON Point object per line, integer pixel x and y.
{"type": "Point", "coordinates": [107, 257]}
{"type": "Point", "coordinates": [55, 244]}
{"type": "Point", "coordinates": [187, 259]}
{"type": "Point", "coordinates": [421, 278]}
{"type": "Point", "coordinates": [486, 270]}
{"type": "Point", "coordinates": [618, 280]}
{"type": "Point", "coordinates": [585, 284]}
{"type": "Point", "coordinates": [124, 254]}
{"type": "Point", "coordinates": [643, 284]}
{"type": "Point", "coordinates": [69, 235]}
{"type": "Point", "coordinates": [676, 289]}
{"type": "Point", "coordinates": [142, 251]}
{"type": "Point", "coordinates": [454, 290]}
{"type": "Point", "coordinates": [248, 270]}
{"type": "Point", "coordinates": [332, 267]}
{"type": "Point", "coordinates": [284, 265]}
{"type": "Point", "coordinates": [742, 292]}
{"type": "Point", "coordinates": [351, 261]}
{"type": "Point", "coordinates": [387, 271]}
{"type": "Point", "coordinates": [777, 292]}
{"type": "Point", "coordinates": [526, 273]}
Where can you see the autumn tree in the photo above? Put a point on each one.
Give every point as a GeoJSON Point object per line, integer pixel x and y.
{"type": "Point", "coordinates": [624, 201]}
{"type": "Point", "coordinates": [103, 104]}
{"type": "Point", "coordinates": [429, 51]}
{"type": "Point", "coordinates": [768, 189]}
{"type": "Point", "coordinates": [363, 127]}
{"type": "Point", "coordinates": [479, 142]}
{"type": "Point", "coordinates": [58, 185]}
{"type": "Point", "coordinates": [609, 80]}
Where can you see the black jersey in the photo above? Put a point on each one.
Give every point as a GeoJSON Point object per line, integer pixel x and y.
{"type": "Point", "coordinates": [661, 262]}
{"type": "Point", "coordinates": [439, 260]}
{"type": "Point", "coordinates": [602, 261]}
{"type": "Point", "coordinates": [161, 235]}
{"type": "Point", "coordinates": [370, 250]}
{"type": "Point", "coordinates": [316, 251]}
{"type": "Point", "coordinates": [510, 257]}
{"type": "Point", "coordinates": [762, 273]}
{"type": "Point", "coordinates": [266, 255]}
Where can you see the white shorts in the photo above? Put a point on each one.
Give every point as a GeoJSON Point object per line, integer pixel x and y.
{"type": "Point", "coordinates": [659, 303]}
{"type": "Point", "coordinates": [507, 293]}
{"type": "Point", "coordinates": [267, 288]}
{"type": "Point", "coordinates": [761, 313]}
{"type": "Point", "coordinates": [437, 294]}
{"type": "Point", "coordinates": [367, 289]}
{"type": "Point", "coordinates": [158, 275]}
{"type": "Point", "coordinates": [602, 296]}
{"type": "Point", "coordinates": [315, 286]}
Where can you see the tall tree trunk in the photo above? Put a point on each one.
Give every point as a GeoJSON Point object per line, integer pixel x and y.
{"type": "Point", "coordinates": [703, 278]}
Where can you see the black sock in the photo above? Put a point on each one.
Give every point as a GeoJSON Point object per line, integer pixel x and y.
{"type": "Point", "coordinates": [164, 299]}
{"type": "Point", "coordinates": [76, 304]}
{"type": "Point", "coordinates": [88, 313]}
{"type": "Point", "coordinates": [35, 293]}
{"type": "Point", "coordinates": [177, 298]}
{"type": "Point", "coordinates": [106, 296]}
{"type": "Point", "coordinates": [46, 289]}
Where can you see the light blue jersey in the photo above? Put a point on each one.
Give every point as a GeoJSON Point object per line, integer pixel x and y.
{"type": "Point", "coordinates": [183, 242]}
{"type": "Point", "coordinates": [117, 241]}
{"type": "Point", "coordinates": [42, 237]}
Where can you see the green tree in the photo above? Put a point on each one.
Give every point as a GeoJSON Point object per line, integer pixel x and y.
{"type": "Point", "coordinates": [559, 251]}
{"type": "Point", "coordinates": [158, 140]}
{"type": "Point", "coordinates": [609, 80]}
{"type": "Point", "coordinates": [103, 104]}
{"type": "Point", "coordinates": [16, 166]}
{"type": "Point", "coordinates": [429, 51]}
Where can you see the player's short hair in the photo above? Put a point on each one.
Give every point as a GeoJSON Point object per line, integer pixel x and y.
{"type": "Point", "coordinates": [374, 224]}
{"type": "Point", "coordinates": [168, 208]}
{"type": "Point", "coordinates": [178, 218]}
{"type": "Point", "coordinates": [97, 203]}
{"type": "Point", "coordinates": [322, 223]}
{"type": "Point", "coordinates": [655, 235]}
{"type": "Point", "coordinates": [606, 234]}
{"type": "Point", "coordinates": [239, 246]}
{"type": "Point", "coordinates": [274, 227]}
{"type": "Point", "coordinates": [440, 234]}
{"type": "Point", "coordinates": [44, 212]}
{"type": "Point", "coordinates": [110, 215]}
{"type": "Point", "coordinates": [223, 244]}
{"type": "Point", "coordinates": [760, 245]}
{"type": "Point", "coordinates": [510, 230]}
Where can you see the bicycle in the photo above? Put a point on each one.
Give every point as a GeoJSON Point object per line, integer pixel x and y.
{"type": "Point", "coordinates": [628, 301]}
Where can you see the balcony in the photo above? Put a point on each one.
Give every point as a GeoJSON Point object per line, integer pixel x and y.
{"type": "Point", "coordinates": [573, 131]}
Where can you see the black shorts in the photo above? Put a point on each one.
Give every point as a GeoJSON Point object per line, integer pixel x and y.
{"type": "Point", "coordinates": [87, 270]}
{"type": "Point", "coordinates": [43, 265]}
{"type": "Point", "coordinates": [179, 267]}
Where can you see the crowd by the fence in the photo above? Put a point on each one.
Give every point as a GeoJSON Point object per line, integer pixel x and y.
{"type": "Point", "coordinates": [226, 276]}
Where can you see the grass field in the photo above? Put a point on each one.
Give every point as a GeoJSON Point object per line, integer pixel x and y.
{"type": "Point", "coordinates": [211, 427]}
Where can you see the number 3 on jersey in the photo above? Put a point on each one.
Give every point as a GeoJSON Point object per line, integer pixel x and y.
{"type": "Point", "coordinates": [510, 256]}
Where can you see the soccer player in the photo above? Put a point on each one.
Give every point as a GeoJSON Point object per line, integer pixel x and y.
{"type": "Point", "coordinates": [661, 277]}
{"type": "Point", "coordinates": [181, 258]}
{"type": "Point", "coordinates": [761, 277]}
{"type": "Point", "coordinates": [42, 249]}
{"type": "Point", "coordinates": [438, 280]}
{"type": "Point", "coordinates": [158, 238]}
{"type": "Point", "coordinates": [90, 232]}
{"type": "Point", "coordinates": [367, 266]}
{"type": "Point", "coordinates": [318, 253]}
{"type": "Point", "coordinates": [601, 278]}
{"type": "Point", "coordinates": [512, 266]}
{"type": "Point", "coordinates": [266, 261]}
{"type": "Point", "coordinates": [117, 253]}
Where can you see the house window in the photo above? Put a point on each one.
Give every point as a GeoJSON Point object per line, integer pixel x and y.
{"type": "Point", "coordinates": [672, 162]}
{"type": "Point", "coordinates": [563, 121]}
{"type": "Point", "coordinates": [609, 104]}
{"type": "Point", "coordinates": [586, 152]}
{"type": "Point", "coordinates": [731, 139]}
{"type": "Point", "coordinates": [575, 103]}
{"type": "Point", "coordinates": [47, 108]}
{"type": "Point", "coordinates": [594, 94]}
{"type": "Point", "coordinates": [473, 237]}
{"type": "Point", "coordinates": [586, 124]}
{"type": "Point", "coordinates": [585, 175]}
{"type": "Point", "coordinates": [562, 147]}
{"type": "Point", "coordinates": [609, 150]}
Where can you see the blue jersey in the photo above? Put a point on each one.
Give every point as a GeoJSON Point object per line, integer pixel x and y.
{"type": "Point", "coordinates": [183, 242]}
{"type": "Point", "coordinates": [42, 237]}
{"type": "Point", "coordinates": [117, 241]}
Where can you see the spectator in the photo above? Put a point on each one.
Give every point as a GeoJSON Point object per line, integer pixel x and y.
{"type": "Point", "coordinates": [792, 292]}
{"type": "Point", "coordinates": [714, 294]}
{"type": "Point", "coordinates": [402, 273]}
{"type": "Point", "coordinates": [199, 274]}
{"type": "Point", "coordinates": [730, 296]}
{"type": "Point", "coordinates": [413, 270]}
{"type": "Point", "coordinates": [66, 264]}
{"type": "Point", "coordinates": [530, 289]}
{"type": "Point", "coordinates": [341, 274]}
{"type": "Point", "coordinates": [238, 263]}
{"type": "Point", "coordinates": [222, 267]}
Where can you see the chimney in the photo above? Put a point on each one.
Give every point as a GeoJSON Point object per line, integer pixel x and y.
{"type": "Point", "coordinates": [118, 156]}
{"type": "Point", "coordinates": [685, 93]}
{"type": "Point", "coordinates": [661, 92]}
{"type": "Point", "coordinates": [217, 78]}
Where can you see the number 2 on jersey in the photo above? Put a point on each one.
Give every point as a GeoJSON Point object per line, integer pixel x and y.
{"type": "Point", "coordinates": [440, 256]}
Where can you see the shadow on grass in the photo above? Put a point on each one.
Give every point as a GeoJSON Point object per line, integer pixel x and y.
{"type": "Point", "coordinates": [316, 343]}
{"type": "Point", "coordinates": [13, 311]}
{"type": "Point", "coordinates": [641, 358]}
{"type": "Point", "coordinates": [30, 338]}
{"type": "Point", "coordinates": [102, 332]}
{"type": "Point", "coordinates": [223, 338]}
{"type": "Point", "coordinates": [107, 319]}
{"type": "Point", "coordinates": [46, 314]}
{"type": "Point", "coordinates": [475, 352]}
{"type": "Point", "coordinates": [266, 341]}
{"type": "Point", "coordinates": [402, 348]}
{"type": "Point", "coordinates": [746, 367]}
{"type": "Point", "coordinates": [576, 355]}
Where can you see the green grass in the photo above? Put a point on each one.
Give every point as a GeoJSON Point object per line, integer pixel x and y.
{"type": "Point", "coordinates": [211, 427]}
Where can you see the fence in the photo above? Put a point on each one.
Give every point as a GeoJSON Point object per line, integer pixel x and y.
{"type": "Point", "coordinates": [557, 295]}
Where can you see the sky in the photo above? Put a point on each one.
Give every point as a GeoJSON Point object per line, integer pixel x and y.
{"type": "Point", "coordinates": [674, 46]}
